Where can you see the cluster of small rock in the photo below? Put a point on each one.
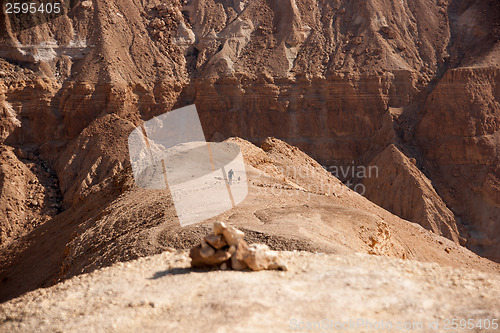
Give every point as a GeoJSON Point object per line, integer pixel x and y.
{"type": "Point", "coordinates": [164, 20]}
{"type": "Point", "coordinates": [164, 16]}
{"type": "Point", "coordinates": [226, 249]}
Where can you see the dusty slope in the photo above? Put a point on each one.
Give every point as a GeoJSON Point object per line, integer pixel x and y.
{"type": "Point", "coordinates": [160, 293]}
{"type": "Point", "coordinates": [307, 210]}
{"type": "Point", "coordinates": [340, 79]}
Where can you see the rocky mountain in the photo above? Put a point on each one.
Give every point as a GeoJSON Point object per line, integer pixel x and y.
{"type": "Point", "coordinates": [409, 87]}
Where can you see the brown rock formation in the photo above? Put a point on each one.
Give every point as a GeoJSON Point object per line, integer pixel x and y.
{"type": "Point", "coordinates": [29, 195]}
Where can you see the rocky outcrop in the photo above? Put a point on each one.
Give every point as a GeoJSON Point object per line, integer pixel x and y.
{"type": "Point", "coordinates": [102, 156]}
{"type": "Point", "coordinates": [27, 116]}
{"type": "Point", "coordinates": [8, 120]}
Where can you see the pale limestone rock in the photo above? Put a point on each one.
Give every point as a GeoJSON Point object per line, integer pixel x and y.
{"type": "Point", "coordinates": [257, 259]}
{"type": "Point", "coordinates": [242, 250]}
{"type": "Point", "coordinates": [232, 235]}
{"type": "Point", "coordinates": [219, 228]}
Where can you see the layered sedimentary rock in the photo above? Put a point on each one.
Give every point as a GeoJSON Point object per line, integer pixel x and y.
{"type": "Point", "coordinates": [459, 135]}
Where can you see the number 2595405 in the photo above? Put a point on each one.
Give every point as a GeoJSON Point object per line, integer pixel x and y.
{"type": "Point", "coordinates": [33, 8]}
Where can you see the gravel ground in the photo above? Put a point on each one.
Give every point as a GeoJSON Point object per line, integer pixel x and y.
{"type": "Point", "coordinates": [161, 293]}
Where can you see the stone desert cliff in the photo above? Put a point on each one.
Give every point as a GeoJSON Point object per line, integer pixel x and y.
{"type": "Point", "coordinates": [410, 87]}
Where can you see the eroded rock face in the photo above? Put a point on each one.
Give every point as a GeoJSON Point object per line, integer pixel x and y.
{"type": "Point", "coordinates": [29, 194]}
{"type": "Point", "coordinates": [460, 136]}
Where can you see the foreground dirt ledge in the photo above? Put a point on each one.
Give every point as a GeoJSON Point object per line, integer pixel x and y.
{"type": "Point", "coordinates": [161, 293]}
